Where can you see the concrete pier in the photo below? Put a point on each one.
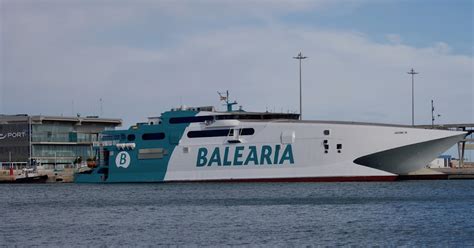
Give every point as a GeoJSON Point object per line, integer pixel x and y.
{"type": "Point", "coordinates": [54, 176]}
{"type": "Point", "coordinates": [5, 176]}
{"type": "Point", "coordinates": [457, 173]}
{"type": "Point", "coordinates": [440, 174]}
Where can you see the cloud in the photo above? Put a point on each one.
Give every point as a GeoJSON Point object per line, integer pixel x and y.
{"type": "Point", "coordinates": [144, 59]}
{"type": "Point", "coordinates": [442, 48]}
{"type": "Point", "coordinates": [394, 38]}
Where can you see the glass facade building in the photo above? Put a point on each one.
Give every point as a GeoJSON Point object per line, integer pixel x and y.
{"type": "Point", "coordinates": [50, 139]}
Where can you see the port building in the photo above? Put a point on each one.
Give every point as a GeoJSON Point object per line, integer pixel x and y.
{"type": "Point", "coordinates": [40, 139]}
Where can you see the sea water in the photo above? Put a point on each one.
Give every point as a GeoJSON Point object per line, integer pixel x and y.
{"type": "Point", "coordinates": [406, 213]}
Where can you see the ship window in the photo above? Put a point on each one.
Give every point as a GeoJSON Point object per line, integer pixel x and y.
{"type": "Point", "coordinates": [247, 131]}
{"type": "Point", "coordinates": [326, 132]}
{"type": "Point", "coordinates": [208, 133]}
{"type": "Point", "coordinates": [219, 133]}
{"type": "Point", "coordinates": [131, 137]}
{"type": "Point", "coordinates": [339, 146]}
{"type": "Point", "coordinates": [180, 120]}
{"type": "Point", "coordinates": [153, 136]}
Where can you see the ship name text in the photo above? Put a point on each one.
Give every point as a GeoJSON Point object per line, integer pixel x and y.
{"type": "Point", "coordinates": [245, 155]}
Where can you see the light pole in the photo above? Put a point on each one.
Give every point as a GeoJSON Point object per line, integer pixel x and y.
{"type": "Point", "coordinates": [300, 57]}
{"type": "Point", "coordinates": [412, 72]}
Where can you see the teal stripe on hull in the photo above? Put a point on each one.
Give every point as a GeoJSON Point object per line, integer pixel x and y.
{"type": "Point", "coordinates": [94, 177]}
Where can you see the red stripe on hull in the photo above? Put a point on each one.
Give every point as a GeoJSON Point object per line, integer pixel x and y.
{"type": "Point", "coordinates": [302, 179]}
{"type": "Point", "coordinates": [424, 177]}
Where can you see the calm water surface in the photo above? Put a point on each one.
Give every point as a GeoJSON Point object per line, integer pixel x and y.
{"type": "Point", "coordinates": [412, 213]}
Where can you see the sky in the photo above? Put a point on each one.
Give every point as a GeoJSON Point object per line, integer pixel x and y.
{"type": "Point", "coordinates": [134, 59]}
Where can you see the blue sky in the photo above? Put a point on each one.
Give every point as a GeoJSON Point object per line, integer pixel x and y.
{"type": "Point", "coordinates": [160, 54]}
{"type": "Point", "coordinates": [419, 22]}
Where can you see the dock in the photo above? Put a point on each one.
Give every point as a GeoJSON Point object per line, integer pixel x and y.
{"type": "Point", "coordinates": [54, 176]}
{"type": "Point", "coordinates": [440, 174]}
{"type": "Point", "coordinates": [457, 173]}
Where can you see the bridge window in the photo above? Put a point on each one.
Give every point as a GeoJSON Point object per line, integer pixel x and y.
{"type": "Point", "coordinates": [219, 133]}
{"type": "Point", "coordinates": [153, 136]}
{"type": "Point", "coordinates": [191, 119]}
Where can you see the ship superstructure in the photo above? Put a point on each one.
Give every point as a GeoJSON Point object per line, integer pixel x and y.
{"type": "Point", "coordinates": [202, 144]}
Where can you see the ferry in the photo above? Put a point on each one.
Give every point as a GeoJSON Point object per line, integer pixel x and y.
{"type": "Point", "coordinates": [200, 144]}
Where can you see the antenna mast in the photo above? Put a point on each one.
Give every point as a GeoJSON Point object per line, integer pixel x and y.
{"type": "Point", "coordinates": [225, 98]}
{"type": "Point", "coordinates": [433, 117]}
{"type": "Point", "coordinates": [432, 114]}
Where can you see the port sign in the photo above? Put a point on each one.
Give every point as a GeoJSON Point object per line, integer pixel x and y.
{"type": "Point", "coordinates": [14, 135]}
{"type": "Point", "coordinates": [14, 138]}
{"type": "Point", "coordinates": [122, 159]}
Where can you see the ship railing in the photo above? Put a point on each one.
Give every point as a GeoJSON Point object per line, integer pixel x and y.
{"type": "Point", "coordinates": [103, 143]}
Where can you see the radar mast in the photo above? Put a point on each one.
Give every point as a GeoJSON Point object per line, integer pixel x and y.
{"type": "Point", "coordinates": [224, 97]}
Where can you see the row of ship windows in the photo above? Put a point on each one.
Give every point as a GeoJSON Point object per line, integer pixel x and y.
{"type": "Point", "coordinates": [192, 119]}
{"type": "Point", "coordinates": [191, 134]}
{"type": "Point", "coordinates": [196, 134]}
{"type": "Point", "coordinates": [219, 133]}
{"type": "Point", "coordinates": [147, 136]}
{"type": "Point", "coordinates": [180, 120]}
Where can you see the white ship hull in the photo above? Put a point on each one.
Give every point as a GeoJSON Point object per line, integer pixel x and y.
{"type": "Point", "coordinates": [368, 151]}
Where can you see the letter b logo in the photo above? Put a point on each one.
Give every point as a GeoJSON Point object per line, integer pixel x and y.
{"type": "Point", "coordinates": [122, 159]}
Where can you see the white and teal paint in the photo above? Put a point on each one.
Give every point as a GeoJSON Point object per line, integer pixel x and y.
{"type": "Point", "coordinates": [124, 166]}
{"type": "Point", "coordinates": [276, 150]}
